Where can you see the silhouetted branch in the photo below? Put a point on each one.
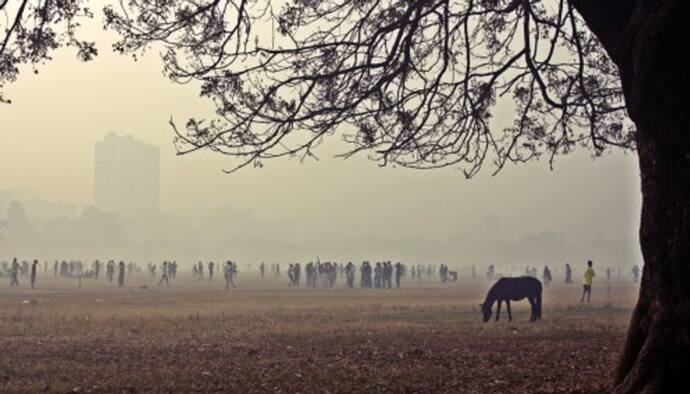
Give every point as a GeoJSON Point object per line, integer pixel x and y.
{"type": "Point", "coordinates": [411, 82]}
{"type": "Point", "coordinates": [31, 29]}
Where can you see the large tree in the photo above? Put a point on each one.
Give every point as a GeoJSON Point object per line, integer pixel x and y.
{"type": "Point", "coordinates": [414, 83]}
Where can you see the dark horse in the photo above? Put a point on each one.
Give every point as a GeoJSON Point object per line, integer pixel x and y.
{"type": "Point", "coordinates": [513, 289]}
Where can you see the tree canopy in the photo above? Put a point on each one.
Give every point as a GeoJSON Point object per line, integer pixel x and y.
{"type": "Point", "coordinates": [410, 82]}
{"type": "Point", "coordinates": [31, 30]}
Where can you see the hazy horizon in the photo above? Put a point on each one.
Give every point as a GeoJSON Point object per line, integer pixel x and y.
{"type": "Point", "coordinates": [58, 114]}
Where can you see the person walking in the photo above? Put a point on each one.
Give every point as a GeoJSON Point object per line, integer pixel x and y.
{"type": "Point", "coordinates": [34, 268]}
{"type": "Point", "coordinates": [14, 273]}
{"type": "Point", "coordinates": [164, 275]}
{"type": "Point", "coordinates": [587, 282]}
{"type": "Point", "coordinates": [229, 272]}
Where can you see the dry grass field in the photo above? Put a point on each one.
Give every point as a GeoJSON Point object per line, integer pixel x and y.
{"type": "Point", "coordinates": [264, 337]}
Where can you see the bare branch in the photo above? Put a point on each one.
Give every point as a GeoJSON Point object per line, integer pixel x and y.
{"type": "Point", "coordinates": [410, 82]}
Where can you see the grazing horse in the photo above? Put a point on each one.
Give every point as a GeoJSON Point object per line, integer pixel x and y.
{"type": "Point", "coordinates": [513, 289]}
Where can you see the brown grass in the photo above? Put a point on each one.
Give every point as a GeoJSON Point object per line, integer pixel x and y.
{"type": "Point", "coordinates": [265, 337]}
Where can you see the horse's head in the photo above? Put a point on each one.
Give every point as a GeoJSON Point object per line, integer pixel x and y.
{"type": "Point", "coordinates": [486, 311]}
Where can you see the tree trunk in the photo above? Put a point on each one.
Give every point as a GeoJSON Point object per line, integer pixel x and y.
{"type": "Point", "coordinates": [656, 80]}
{"type": "Point", "coordinates": [656, 357]}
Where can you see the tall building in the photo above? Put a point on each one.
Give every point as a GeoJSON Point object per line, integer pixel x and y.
{"type": "Point", "coordinates": [127, 176]}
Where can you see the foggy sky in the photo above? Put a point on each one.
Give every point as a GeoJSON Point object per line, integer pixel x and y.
{"type": "Point", "coordinates": [48, 136]}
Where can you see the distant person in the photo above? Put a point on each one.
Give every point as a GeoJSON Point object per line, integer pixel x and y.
{"type": "Point", "coordinates": [399, 270]}
{"type": "Point", "coordinates": [378, 274]}
{"type": "Point", "coordinates": [229, 272]}
{"type": "Point", "coordinates": [568, 274]}
{"type": "Point", "coordinates": [110, 270]}
{"type": "Point", "coordinates": [384, 274]}
{"type": "Point", "coordinates": [210, 271]}
{"type": "Point", "coordinates": [164, 275]}
{"type": "Point", "coordinates": [546, 276]}
{"type": "Point", "coordinates": [34, 268]}
{"type": "Point", "coordinates": [443, 273]}
{"type": "Point", "coordinates": [365, 272]}
{"type": "Point", "coordinates": [387, 275]}
{"type": "Point", "coordinates": [311, 274]}
{"type": "Point", "coordinates": [298, 273]}
{"type": "Point", "coordinates": [350, 274]}
{"type": "Point", "coordinates": [636, 273]}
{"type": "Point", "coordinates": [14, 273]}
{"type": "Point", "coordinates": [587, 282]}
{"type": "Point", "coordinates": [121, 274]}
{"type": "Point", "coordinates": [608, 273]}
{"type": "Point", "coordinates": [291, 275]}
{"type": "Point", "coordinates": [200, 270]}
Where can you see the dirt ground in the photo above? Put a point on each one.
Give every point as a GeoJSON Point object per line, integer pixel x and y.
{"type": "Point", "coordinates": [264, 337]}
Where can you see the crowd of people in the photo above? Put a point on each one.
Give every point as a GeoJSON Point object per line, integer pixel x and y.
{"type": "Point", "coordinates": [380, 275]}
{"type": "Point", "coordinates": [229, 272]}
{"type": "Point", "coordinates": [318, 274]}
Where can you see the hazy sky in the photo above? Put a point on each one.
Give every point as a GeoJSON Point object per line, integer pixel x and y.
{"type": "Point", "coordinates": [47, 137]}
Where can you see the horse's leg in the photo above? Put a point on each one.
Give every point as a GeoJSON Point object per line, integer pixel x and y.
{"type": "Point", "coordinates": [498, 309]}
{"type": "Point", "coordinates": [532, 314]}
{"type": "Point", "coordinates": [536, 308]}
{"type": "Point", "coordinates": [510, 315]}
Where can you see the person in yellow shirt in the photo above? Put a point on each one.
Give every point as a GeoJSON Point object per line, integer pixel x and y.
{"type": "Point", "coordinates": [587, 281]}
